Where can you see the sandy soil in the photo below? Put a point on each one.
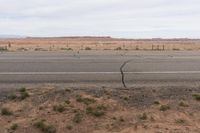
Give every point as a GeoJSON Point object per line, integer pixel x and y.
{"type": "Point", "coordinates": [50, 109]}
{"type": "Point", "coordinates": [97, 43]}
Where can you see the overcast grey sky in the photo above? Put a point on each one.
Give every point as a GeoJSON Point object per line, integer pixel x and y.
{"type": "Point", "coordinates": [117, 18]}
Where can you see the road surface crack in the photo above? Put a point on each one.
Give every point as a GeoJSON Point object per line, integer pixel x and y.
{"type": "Point", "coordinates": [122, 73]}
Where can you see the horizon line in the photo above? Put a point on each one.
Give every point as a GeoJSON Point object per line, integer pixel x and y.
{"type": "Point", "coordinates": [7, 36]}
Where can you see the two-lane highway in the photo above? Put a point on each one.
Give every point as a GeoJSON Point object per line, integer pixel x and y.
{"type": "Point", "coordinates": [99, 67]}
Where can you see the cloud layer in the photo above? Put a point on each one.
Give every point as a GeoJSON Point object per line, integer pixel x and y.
{"type": "Point", "coordinates": [117, 18]}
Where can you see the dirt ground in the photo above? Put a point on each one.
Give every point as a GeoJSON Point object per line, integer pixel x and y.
{"type": "Point", "coordinates": [51, 109]}
{"type": "Point", "coordinates": [97, 43]}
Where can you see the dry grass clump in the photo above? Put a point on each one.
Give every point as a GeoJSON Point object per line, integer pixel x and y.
{"type": "Point", "coordinates": [77, 117]}
{"type": "Point", "coordinates": [180, 121]}
{"type": "Point", "coordinates": [86, 101]}
{"type": "Point", "coordinates": [97, 111]}
{"type": "Point", "coordinates": [59, 108]}
{"type": "Point", "coordinates": [14, 127]}
{"type": "Point", "coordinates": [3, 49]}
{"type": "Point", "coordinates": [156, 102]}
{"type": "Point", "coordinates": [40, 49]}
{"type": "Point", "coordinates": [69, 127]}
{"type": "Point", "coordinates": [66, 49]}
{"type": "Point", "coordinates": [196, 96]}
{"type": "Point", "coordinates": [143, 116]}
{"type": "Point", "coordinates": [88, 48]}
{"type": "Point", "coordinates": [118, 48]}
{"type": "Point", "coordinates": [6, 111]}
{"type": "Point", "coordinates": [183, 104]}
{"type": "Point", "coordinates": [12, 96]}
{"type": "Point", "coordinates": [164, 107]}
{"type": "Point", "coordinates": [23, 94]}
{"type": "Point", "coordinates": [43, 126]}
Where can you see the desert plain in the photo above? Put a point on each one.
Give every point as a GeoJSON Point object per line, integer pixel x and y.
{"type": "Point", "coordinates": [75, 85]}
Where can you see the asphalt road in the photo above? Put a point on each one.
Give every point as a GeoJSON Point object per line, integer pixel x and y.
{"type": "Point", "coordinates": [99, 67]}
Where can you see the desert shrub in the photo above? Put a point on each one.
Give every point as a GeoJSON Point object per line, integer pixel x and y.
{"type": "Point", "coordinates": [101, 107]}
{"type": "Point", "coordinates": [12, 96]}
{"type": "Point", "coordinates": [66, 49]}
{"type": "Point", "coordinates": [78, 117]}
{"type": "Point", "coordinates": [143, 116]}
{"type": "Point", "coordinates": [180, 121]}
{"type": "Point", "coordinates": [67, 90]}
{"type": "Point", "coordinates": [106, 49]}
{"type": "Point", "coordinates": [67, 101]}
{"type": "Point", "coordinates": [88, 48]}
{"type": "Point", "coordinates": [59, 108]}
{"type": "Point", "coordinates": [183, 104]}
{"type": "Point", "coordinates": [89, 110]}
{"type": "Point", "coordinates": [44, 127]}
{"type": "Point", "coordinates": [2, 49]}
{"type": "Point", "coordinates": [164, 107]}
{"type": "Point", "coordinates": [86, 101]}
{"type": "Point", "coordinates": [23, 89]}
{"type": "Point", "coordinates": [152, 119]}
{"type": "Point", "coordinates": [126, 98]}
{"type": "Point", "coordinates": [176, 49]}
{"type": "Point", "coordinates": [156, 102]}
{"type": "Point", "coordinates": [6, 111]}
{"type": "Point", "coordinates": [40, 49]}
{"type": "Point", "coordinates": [94, 112]}
{"type": "Point", "coordinates": [121, 119]}
{"type": "Point", "coordinates": [118, 48]}
{"type": "Point", "coordinates": [14, 126]}
{"type": "Point", "coordinates": [39, 124]}
{"type": "Point", "coordinates": [22, 49]}
{"type": "Point", "coordinates": [24, 95]}
{"type": "Point", "coordinates": [114, 118]}
{"type": "Point", "coordinates": [97, 111]}
{"type": "Point", "coordinates": [197, 96]}
{"type": "Point", "coordinates": [69, 127]}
